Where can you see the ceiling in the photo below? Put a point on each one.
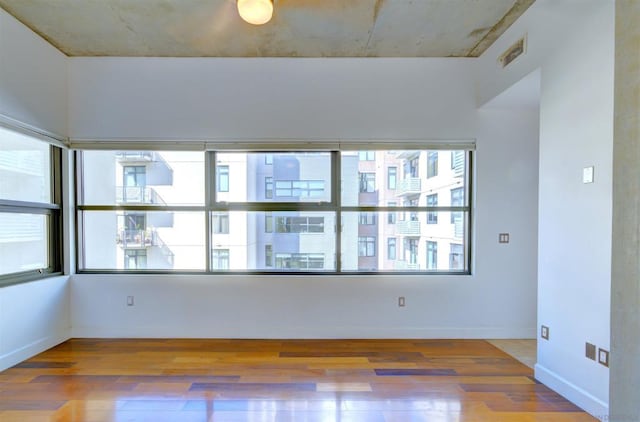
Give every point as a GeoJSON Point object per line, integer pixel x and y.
{"type": "Point", "coordinates": [299, 28]}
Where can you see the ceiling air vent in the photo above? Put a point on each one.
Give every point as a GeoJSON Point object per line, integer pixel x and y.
{"type": "Point", "coordinates": [513, 52]}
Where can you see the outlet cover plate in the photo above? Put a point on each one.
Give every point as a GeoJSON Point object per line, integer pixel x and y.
{"type": "Point", "coordinates": [544, 332]}
{"type": "Point", "coordinates": [603, 357]}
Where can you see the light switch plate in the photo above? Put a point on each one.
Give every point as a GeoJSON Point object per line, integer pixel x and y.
{"type": "Point", "coordinates": [587, 174]}
{"type": "Point", "coordinates": [503, 237]}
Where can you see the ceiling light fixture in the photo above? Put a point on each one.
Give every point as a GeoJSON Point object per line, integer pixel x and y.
{"type": "Point", "coordinates": [255, 12]}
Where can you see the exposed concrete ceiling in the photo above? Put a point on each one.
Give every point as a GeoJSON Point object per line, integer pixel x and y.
{"type": "Point", "coordinates": [299, 28]}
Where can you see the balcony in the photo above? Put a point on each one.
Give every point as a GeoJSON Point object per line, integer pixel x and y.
{"type": "Point", "coordinates": [143, 239]}
{"type": "Point", "coordinates": [136, 156]}
{"type": "Point", "coordinates": [135, 239]}
{"type": "Point", "coordinates": [408, 228]}
{"type": "Point", "coordinates": [458, 163]}
{"type": "Point", "coordinates": [404, 265]}
{"type": "Point", "coordinates": [138, 195]}
{"type": "Point", "coordinates": [409, 186]}
{"type": "Point", "coordinates": [158, 171]}
{"type": "Point", "coordinates": [458, 226]}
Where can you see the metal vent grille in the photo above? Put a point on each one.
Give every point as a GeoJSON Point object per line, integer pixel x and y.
{"type": "Point", "coordinates": [513, 52]}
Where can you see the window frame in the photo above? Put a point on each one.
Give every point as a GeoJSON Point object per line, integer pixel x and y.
{"type": "Point", "coordinates": [52, 210]}
{"type": "Point", "coordinates": [334, 205]}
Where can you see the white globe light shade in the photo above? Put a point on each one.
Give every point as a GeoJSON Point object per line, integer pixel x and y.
{"type": "Point", "coordinates": [256, 12]}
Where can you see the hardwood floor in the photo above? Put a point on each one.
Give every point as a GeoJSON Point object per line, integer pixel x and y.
{"type": "Point", "coordinates": [276, 380]}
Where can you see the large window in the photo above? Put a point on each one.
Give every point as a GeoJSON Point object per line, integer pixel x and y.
{"type": "Point", "coordinates": [30, 207]}
{"type": "Point", "coordinates": [286, 212]}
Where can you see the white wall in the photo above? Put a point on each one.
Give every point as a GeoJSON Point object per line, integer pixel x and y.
{"type": "Point", "coordinates": [160, 98]}
{"type": "Point", "coordinates": [33, 94]}
{"type": "Point", "coordinates": [576, 131]}
{"type": "Point", "coordinates": [33, 79]}
{"type": "Point", "coordinates": [571, 44]}
{"type": "Point", "coordinates": [33, 317]}
{"type": "Point", "coordinates": [545, 24]}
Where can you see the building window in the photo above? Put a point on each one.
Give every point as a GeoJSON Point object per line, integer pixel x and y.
{"type": "Point", "coordinates": [457, 200]}
{"type": "Point", "coordinates": [268, 255]}
{"type": "Point", "coordinates": [411, 167]}
{"type": "Point", "coordinates": [135, 259]}
{"type": "Point", "coordinates": [268, 223]}
{"type": "Point", "coordinates": [268, 159]}
{"type": "Point", "coordinates": [367, 218]}
{"type": "Point", "coordinates": [220, 259]}
{"type": "Point", "coordinates": [432, 164]}
{"type": "Point", "coordinates": [223, 178]}
{"type": "Point", "coordinates": [392, 177]}
{"type": "Point", "coordinates": [299, 224]}
{"type": "Point", "coordinates": [432, 255]}
{"type": "Point", "coordinates": [30, 208]}
{"type": "Point", "coordinates": [432, 201]}
{"type": "Point", "coordinates": [268, 187]}
{"type": "Point", "coordinates": [300, 188]}
{"type": "Point", "coordinates": [220, 223]}
{"type": "Point", "coordinates": [366, 155]}
{"type": "Point", "coordinates": [299, 261]}
{"type": "Point", "coordinates": [367, 246]}
{"type": "Point", "coordinates": [411, 250]}
{"type": "Point", "coordinates": [391, 248]}
{"type": "Point", "coordinates": [367, 182]}
{"type": "Point", "coordinates": [456, 257]}
{"type": "Point", "coordinates": [134, 175]}
{"type": "Point", "coordinates": [391, 215]}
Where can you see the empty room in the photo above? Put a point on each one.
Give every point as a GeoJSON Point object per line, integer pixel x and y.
{"type": "Point", "coordinates": [304, 210]}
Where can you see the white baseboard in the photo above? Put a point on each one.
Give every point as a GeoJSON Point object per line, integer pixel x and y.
{"type": "Point", "coordinates": [296, 332]}
{"type": "Point", "coordinates": [16, 356]}
{"type": "Point", "coordinates": [592, 405]}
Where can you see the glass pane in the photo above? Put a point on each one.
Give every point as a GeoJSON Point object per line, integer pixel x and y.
{"type": "Point", "coordinates": [275, 241]}
{"type": "Point", "coordinates": [403, 178]}
{"type": "Point", "coordinates": [273, 177]}
{"type": "Point", "coordinates": [23, 242]}
{"type": "Point", "coordinates": [25, 169]}
{"type": "Point", "coordinates": [144, 240]}
{"type": "Point", "coordinates": [143, 178]}
{"type": "Point", "coordinates": [421, 241]}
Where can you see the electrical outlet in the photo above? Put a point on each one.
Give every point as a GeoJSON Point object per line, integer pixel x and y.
{"type": "Point", "coordinates": [503, 238]}
{"type": "Point", "coordinates": [603, 357]}
{"type": "Point", "coordinates": [544, 332]}
{"type": "Point", "coordinates": [401, 301]}
{"type": "Point", "coordinates": [590, 351]}
{"type": "Point", "coordinates": [130, 301]}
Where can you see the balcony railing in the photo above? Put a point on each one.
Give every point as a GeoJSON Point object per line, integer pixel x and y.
{"type": "Point", "coordinates": [134, 238]}
{"type": "Point", "coordinates": [142, 239]}
{"type": "Point", "coordinates": [404, 265]}
{"type": "Point", "coordinates": [408, 227]}
{"type": "Point", "coordinates": [409, 185]}
{"type": "Point", "coordinates": [458, 163]}
{"type": "Point", "coordinates": [458, 226]}
{"type": "Point", "coordinates": [26, 162]}
{"type": "Point", "coordinates": [138, 195]}
{"type": "Point", "coordinates": [136, 156]}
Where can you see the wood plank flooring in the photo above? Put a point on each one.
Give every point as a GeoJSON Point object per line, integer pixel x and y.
{"type": "Point", "coordinates": [276, 380]}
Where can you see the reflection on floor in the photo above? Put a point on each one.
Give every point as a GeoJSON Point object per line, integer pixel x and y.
{"type": "Point", "coordinates": [275, 380]}
{"type": "Point", "coordinates": [525, 350]}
